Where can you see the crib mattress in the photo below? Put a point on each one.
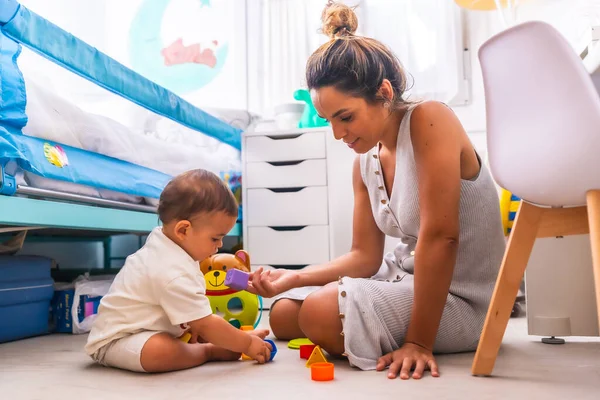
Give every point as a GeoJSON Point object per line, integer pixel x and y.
{"type": "Point", "coordinates": [164, 146]}
{"type": "Point", "coordinates": [169, 148]}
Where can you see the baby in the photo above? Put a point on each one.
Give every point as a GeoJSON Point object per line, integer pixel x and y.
{"type": "Point", "coordinates": [159, 294]}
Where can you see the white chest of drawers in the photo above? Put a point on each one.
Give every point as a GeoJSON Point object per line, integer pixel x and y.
{"type": "Point", "coordinates": [297, 198]}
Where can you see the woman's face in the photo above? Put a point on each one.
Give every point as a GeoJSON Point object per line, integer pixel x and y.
{"type": "Point", "coordinates": [354, 121]}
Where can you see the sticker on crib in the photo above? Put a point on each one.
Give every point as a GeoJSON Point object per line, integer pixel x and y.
{"type": "Point", "coordinates": [55, 155]}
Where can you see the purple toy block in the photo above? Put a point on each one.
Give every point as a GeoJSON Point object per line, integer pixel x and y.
{"type": "Point", "coordinates": [236, 279]}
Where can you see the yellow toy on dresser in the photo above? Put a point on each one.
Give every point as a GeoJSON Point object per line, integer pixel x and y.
{"type": "Point", "coordinates": [223, 299]}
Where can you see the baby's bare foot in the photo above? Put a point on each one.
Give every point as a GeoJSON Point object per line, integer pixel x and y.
{"type": "Point", "coordinates": [261, 333]}
{"type": "Point", "coordinates": [217, 353]}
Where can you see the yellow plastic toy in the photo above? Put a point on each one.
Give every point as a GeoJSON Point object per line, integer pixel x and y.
{"type": "Point", "coordinates": [509, 205]}
{"type": "Point", "coordinates": [316, 357]}
{"type": "Point", "coordinates": [485, 5]}
{"type": "Point", "coordinates": [239, 307]}
{"type": "Point", "coordinates": [185, 337]}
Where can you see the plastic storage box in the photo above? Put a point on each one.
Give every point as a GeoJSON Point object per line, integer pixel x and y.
{"type": "Point", "coordinates": [26, 289]}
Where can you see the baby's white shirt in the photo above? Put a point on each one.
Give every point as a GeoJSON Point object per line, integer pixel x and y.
{"type": "Point", "coordinates": [158, 288]}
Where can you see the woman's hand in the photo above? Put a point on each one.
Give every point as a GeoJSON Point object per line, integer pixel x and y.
{"type": "Point", "coordinates": [270, 283]}
{"type": "Point", "coordinates": [409, 356]}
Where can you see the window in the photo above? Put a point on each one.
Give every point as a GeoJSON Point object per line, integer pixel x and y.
{"type": "Point", "coordinates": [426, 35]}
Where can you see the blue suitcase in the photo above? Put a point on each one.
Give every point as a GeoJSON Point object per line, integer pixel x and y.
{"type": "Point", "coordinates": [26, 289]}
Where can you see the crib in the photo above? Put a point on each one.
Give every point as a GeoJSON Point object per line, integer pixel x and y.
{"type": "Point", "coordinates": [51, 188]}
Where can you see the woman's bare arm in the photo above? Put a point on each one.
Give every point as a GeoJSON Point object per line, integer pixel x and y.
{"type": "Point", "coordinates": [366, 254]}
{"type": "Point", "coordinates": [437, 142]}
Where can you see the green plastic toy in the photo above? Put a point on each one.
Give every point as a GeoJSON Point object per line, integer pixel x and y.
{"type": "Point", "coordinates": [296, 343]}
{"type": "Point", "coordinates": [310, 118]}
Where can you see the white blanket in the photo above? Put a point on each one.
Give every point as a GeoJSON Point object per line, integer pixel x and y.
{"type": "Point", "coordinates": [157, 143]}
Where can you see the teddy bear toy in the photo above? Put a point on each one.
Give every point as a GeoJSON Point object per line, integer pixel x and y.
{"type": "Point", "coordinates": [236, 305]}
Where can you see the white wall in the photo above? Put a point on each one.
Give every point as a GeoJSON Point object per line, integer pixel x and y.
{"type": "Point", "coordinates": [107, 26]}
{"type": "Point", "coordinates": [572, 18]}
{"type": "Point", "coordinates": [479, 27]}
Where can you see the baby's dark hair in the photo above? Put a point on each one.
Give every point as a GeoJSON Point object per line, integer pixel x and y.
{"type": "Point", "coordinates": [195, 192]}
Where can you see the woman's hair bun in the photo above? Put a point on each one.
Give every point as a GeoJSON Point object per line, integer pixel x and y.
{"type": "Point", "coordinates": [338, 20]}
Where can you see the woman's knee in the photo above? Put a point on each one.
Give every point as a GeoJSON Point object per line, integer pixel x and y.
{"type": "Point", "coordinates": [319, 302]}
{"type": "Point", "coordinates": [283, 319]}
{"type": "Point", "coordinates": [319, 319]}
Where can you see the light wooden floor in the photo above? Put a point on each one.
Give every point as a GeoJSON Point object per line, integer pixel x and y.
{"type": "Point", "coordinates": [55, 367]}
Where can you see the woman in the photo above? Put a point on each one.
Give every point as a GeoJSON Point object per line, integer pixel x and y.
{"type": "Point", "coordinates": [417, 178]}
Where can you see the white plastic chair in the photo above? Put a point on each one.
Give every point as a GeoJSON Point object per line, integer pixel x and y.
{"type": "Point", "coordinates": [543, 133]}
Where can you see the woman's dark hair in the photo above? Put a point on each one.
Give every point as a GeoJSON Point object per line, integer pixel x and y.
{"type": "Point", "coordinates": [355, 65]}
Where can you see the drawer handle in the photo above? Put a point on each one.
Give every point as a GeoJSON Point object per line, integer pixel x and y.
{"type": "Point", "coordinates": [287, 228]}
{"type": "Point", "coordinates": [284, 137]}
{"type": "Point", "coordinates": [284, 163]}
{"type": "Point", "coordinates": [287, 266]}
{"type": "Point", "coordinates": [286, 190]}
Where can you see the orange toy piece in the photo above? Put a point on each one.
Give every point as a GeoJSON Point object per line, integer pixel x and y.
{"type": "Point", "coordinates": [316, 357]}
{"type": "Point", "coordinates": [321, 371]}
{"type": "Point", "coordinates": [246, 328]}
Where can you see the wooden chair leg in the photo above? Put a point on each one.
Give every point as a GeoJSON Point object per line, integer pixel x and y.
{"type": "Point", "coordinates": [520, 244]}
{"type": "Point", "coordinates": [593, 204]}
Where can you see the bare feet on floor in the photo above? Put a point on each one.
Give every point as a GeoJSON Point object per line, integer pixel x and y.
{"type": "Point", "coordinates": [216, 353]}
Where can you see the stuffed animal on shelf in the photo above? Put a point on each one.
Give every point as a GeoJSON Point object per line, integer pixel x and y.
{"type": "Point", "coordinates": [239, 307]}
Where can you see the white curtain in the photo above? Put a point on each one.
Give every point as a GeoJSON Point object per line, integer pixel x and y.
{"type": "Point", "coordinates": [281, 36]}
{"type": "Point", "coordinates": [424, 34]}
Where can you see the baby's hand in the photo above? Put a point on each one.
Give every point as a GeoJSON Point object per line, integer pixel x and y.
{"type": "Point", "coordinates": [259, 350]}
{"type": "Point", "coordinates": [261, 333]}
